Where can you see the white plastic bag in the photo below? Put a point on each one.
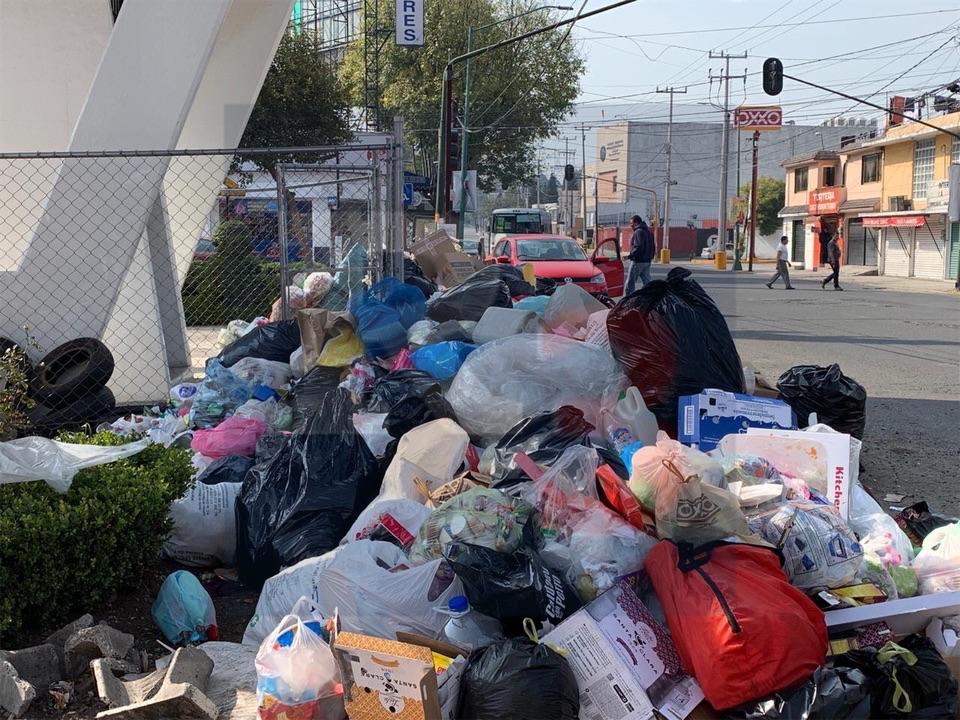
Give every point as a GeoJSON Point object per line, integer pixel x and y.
{"type": "Point", "coordinates": [258, 371]}
{"type": "Point", "coordinates": [938, 563]}
{"type": "Point", "coordinates": [570, 305]}
{"type": "Point", "coordinates": [370, 426]}
{"type": "Point", "coordinates": [420, 331]}
{"type": "Point", "coordinates": [648, 472]}
{"type": "Point", "coordinates": [297, 674]}
{"type": "Point", "coordinates": [382, 519]}
{"type": "Point", "coordinates": [432, 453]}
{"type": "Point", "coordinates": [204, 526]}
{"type": "Point", "coordinates": [597, 329]}
{"type": "Point", "coordinates": [373, 586]}
{"type": "Point", "coordinates": [693, 511]}
{"type": "Point", "coordinates": [820, 549]}
{"type": "Point", "coordinates": [506, 380]}
{"type": "Point", "coordinates": [55, 462]}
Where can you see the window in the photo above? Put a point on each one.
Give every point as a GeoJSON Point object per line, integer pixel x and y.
{"type": "Point", "coordinates": [923, 151]}
{"type": "Point", "coordinates": [829, 176]}
{"type": "Point", "coordinates": [800, 179]}
{"type": "Point", "coordinates": [870, 168]}
{"type": "Point", "coordinates": [554, 249]}
{"type": "Point", "coordinates": [608, 249]}
{"type": "Point", "coordinates": [955, 153]}
{"type": "Point", "coordinates": [517, 223]}
{"type": "Point", "coordinates": [503, 249]}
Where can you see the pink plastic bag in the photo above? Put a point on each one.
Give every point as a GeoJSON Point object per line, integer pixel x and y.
{"type": "Point", "coordinates": [234, 436]}
{"type": "Point", "coordinates": [402, 361]}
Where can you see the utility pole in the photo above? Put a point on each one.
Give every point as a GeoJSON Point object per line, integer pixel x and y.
{"type": "Point", "coordinates": [665, 251]}
{"type": "Point", "coordinates": [583, 180]}
{"type": "Point", "coordinates": [753, 199]}
{"type": "Point", "coordinates": [465, 140]}
{"type": "Point", "coordinates": [725, 152]}
{"type": "Point", "coordinates": [538, 177]}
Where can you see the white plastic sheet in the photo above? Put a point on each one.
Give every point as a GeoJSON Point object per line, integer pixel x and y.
{"type": "Point", "coordinates": [506, 380]}
{"type": "Point", "coordinates": [55, 462]}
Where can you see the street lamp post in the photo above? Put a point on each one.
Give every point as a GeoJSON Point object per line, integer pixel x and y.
{"type": "Point", "coordinates": [465, 142]}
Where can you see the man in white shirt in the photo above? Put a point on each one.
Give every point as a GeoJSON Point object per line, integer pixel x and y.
{"type": "Point", "coordinates": [782, 264]}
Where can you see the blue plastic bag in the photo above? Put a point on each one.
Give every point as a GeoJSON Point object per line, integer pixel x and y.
{"type": "Point", "coordinates": [407, 300]}
{"type": "Point", "coordinates": [537, 304]}
{"type": "Point", "coordinates": [184, 611]}
{"type": "Point", "coordinates": [383, 313]}
{"type": "Point", "coordinates": [219, 395]}
{"type": "Point", "coordinates": [442, 360]}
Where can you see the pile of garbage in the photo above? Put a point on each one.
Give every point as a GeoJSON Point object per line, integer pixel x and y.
{"type": "Point", "coordinates": [498, 501]}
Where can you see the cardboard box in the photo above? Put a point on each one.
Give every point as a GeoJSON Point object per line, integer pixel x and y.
{"type": "Point", "coordinates": [905, 616]}
{"type": "Point", "coordinates": [389, 679]}
{"type": "Point", "coordinates": [833, 449]}
{"type": "Point", "coordinates": [624, 661]}
{"type": "Point", "coordinates": [455, 267]}
{"type": "Point", "coordinates": [706, 418]}
{"type": "Point", "coordinates": [430, 252]}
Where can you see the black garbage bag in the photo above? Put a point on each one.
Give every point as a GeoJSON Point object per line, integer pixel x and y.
{"type": "Point", "coordinates": [269, 444]}
{"type": "Point", "coordinates": [909, 679]}
{"type": "Point", "coordinates": [840, 693]}
{"type": "Point", "coordinates": [309, 391]}
{"type": "Point", "coordinates": [274, 341]}
{"type": "Point", "coordinates": [301, 502]}
{"type": "Point", "coordinates": [413, 275]}
{"type": "Point", "coordinates": [518, 679]}
{"type": "Point", "coordinates": [413, 411]}
{"type": "Point", "coordinates": [546, 286]}
{"type": "Point", "coordinates": [470, 299]}
{"type": "Point", "coordinates": [232, 469]}
{"type": "Point", "coordinates": [512, 586]}
{"type": "Point", "coordinates": [838, 401]}
{"type": "Point", "coordinates": [395, 386]}
{"type": "Point", "coordinates": [510, 274]}
{"type": "Point", "coordinates": [449, 331]}
{"type": "Point", "coordinates": [917, 521]}
{"type": "Point", "coordinates": [672, 340]}
{"type": "Point", "coordinates": [543, 437]}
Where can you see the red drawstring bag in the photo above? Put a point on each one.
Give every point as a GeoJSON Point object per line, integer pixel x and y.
{"type": "Point", "coordinates": [741, 629]}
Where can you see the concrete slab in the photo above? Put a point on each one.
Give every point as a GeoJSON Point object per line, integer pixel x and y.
{"type": "Point", "coordinates": [99, 641]}
{"type": "Point", "coordinates": [38, 665]}
{"type": "Point", "coordinates": [15, 694]}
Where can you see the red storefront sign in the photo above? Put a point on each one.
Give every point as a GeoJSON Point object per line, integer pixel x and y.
{"type": "Point", "coordinates": [895, 221]}
{"type": "Point", "coordinates": [758, 117]}
{"type": "Point", "coordinates": [825, 202]}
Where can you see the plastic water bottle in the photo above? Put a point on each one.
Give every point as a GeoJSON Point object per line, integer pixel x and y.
{"type": "Point", "coordinates": [469, 629]}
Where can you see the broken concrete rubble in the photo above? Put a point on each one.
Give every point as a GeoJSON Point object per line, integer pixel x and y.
{"type": "Point", "coordinates": [90, 643]}
{"type": "Point", "coordinates": [60, 637]}
{"type": "Point", "coordinates": [15, 694]}
{"type": "Point", "coordinates": [174, 692]}
{"type": "Point", "coordinates": [38, 665]}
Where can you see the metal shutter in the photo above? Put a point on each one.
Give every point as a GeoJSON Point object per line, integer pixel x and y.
{"type": "Point", "coordinates": [861, 244]}
{"type": "Point", "coordinates": [897, 249]}
{"type": "Point", "coordinates": [928, 257]}
{"type": "Point", "coordinates": [953, 264]}
{"type": "Point", "coordinates": [799, 242]}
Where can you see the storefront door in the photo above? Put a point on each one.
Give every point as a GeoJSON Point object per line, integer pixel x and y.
{"type": "Point", "coordinates": [929, 250]}
{"type": "Point", "coordinates": [861, 244]}
{"type": "Point", "coordinates": [897, 250]}
{"type": "Point", "coordinates": [953, 259]}
{"type": "Point", "coordinates": [799, 242]}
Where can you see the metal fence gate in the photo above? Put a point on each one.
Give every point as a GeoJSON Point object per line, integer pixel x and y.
{"type": "Point", "coordinates": [154, 253]}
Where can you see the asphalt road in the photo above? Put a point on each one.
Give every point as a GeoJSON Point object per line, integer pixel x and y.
{"type": "Point", "coordinates": [903, 346]}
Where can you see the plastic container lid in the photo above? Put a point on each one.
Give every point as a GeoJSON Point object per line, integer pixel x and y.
{"type": "Point", "coordinates": [458, 604]}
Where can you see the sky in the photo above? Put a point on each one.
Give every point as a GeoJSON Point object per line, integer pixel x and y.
{"type": "Point", "coordinates": [886, 48]}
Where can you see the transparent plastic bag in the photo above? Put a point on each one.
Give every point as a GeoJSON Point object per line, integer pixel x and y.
{"type": "Point", "coordinates": [515, 377]}
{"type": "Point", "coordinates": [583, 538]}
{"type": "Point", "coordinates": [220, 394]}
{"type": "Point", "coordinates": [938, 563]}
{"type": "Point", "coordinates": [297, 675]}
{"type": "Point", "coordinates": [648, 472]}
{"type": "Point", "coordinates": [258, 371]}
{"type": "Point", "coordinates": [570, 305]}
{"type": "Point", "coordinates": [880, 535]}
{"type": "Point", "coordinates": [420, 331]}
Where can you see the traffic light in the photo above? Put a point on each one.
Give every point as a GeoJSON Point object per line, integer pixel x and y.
{"type": "Point", "coordinates": [568, 173]}
{"type": "Point", "coordinates": [772, 76]}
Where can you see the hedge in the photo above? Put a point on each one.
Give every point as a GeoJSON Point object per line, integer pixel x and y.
{"type": "Point", "coordinates": [64, 555]}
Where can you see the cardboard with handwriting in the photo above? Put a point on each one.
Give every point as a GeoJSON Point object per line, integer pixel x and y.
{"type": "Point", "coordinates": [430, 252]}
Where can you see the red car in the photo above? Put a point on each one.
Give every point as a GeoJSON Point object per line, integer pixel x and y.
{"type": "Point", "coordinates": [561, 258]}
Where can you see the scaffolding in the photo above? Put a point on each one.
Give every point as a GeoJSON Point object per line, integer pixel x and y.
{"type": "Point", "coordinates": [333, 23]}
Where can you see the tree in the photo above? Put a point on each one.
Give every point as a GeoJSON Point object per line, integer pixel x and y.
{"type": "Point", "coordinates": [302, 103]}
{"type": "Point", "coordinates": [549, 189]}
{"type": "Point", "coordinates": [770, 197]}
{"type": "Point", "coordinates": [519, 94]}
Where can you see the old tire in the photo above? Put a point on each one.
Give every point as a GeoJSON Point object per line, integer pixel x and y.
{"type": "Point", "coordinates": [73, 371]}
{"type": "Point", "coordinates": [89, 408]}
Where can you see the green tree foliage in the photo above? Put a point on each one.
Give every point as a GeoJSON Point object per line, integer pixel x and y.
{"type": "Point", "coordinates": [770, 198]}
{"type": "Point", "coordinates": [519, 94]}
{"type": "Point", "coordinates": [550, 190]}
{"type": "Point", "coordinates": [302, 103]}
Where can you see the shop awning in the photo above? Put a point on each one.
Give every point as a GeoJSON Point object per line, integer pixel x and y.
{"type": "Point", "coordinates": [867, 205]}
{"type": "Point", "coordinates": [793, 211]}
{"type": "Point", "coordinates": [895, 221]}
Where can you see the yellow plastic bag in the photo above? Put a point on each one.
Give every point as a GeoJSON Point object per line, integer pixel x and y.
{"type": "Point", "coordinates": [341, 350]}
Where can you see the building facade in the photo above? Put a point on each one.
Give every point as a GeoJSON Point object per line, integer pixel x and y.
{"type": "Point", "coordinates": [888, 196]}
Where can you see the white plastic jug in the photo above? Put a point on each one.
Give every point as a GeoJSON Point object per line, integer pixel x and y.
{"type": "Point", "coordinates": [631, 412]}
{"type": "Point", "coordinates": [469, 629]}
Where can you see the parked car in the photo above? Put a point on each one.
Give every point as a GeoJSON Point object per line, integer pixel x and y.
{"type": "Point", "coordinates": [562, 259]}
{"type": "Point", "coordinates": [710, 251]}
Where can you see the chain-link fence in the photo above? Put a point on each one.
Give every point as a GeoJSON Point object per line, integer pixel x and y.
{"type": "Point", "coordinates": [119, 270]}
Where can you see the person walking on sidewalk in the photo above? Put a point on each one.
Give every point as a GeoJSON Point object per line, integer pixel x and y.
{"type": "Point", "coordinates": [833, 257]}
{"type": "Point", "coordinates": [642, 250]}
{"type": "Point", "coordinates": [782, 264]}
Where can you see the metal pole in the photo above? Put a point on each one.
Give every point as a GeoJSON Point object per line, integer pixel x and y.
{"type": "Point", "coordinates": [596, 214]}
{"type": "Point", "coordinates": [538, 178]}
{"type": "Point", "coordinates": [282, 237]}
{"type": "Point", "coordinates": [566, 186]}
{"type": "Point", "coordinates": [725, 153]}
{"type": "Point", "coordinates": [583, 180]}
{"type": "Point", "coordinates": [465, 140]}
{"type": "Point", "coordinates": [400, 220]}
{"type": "Point", "coordinates": [666, 192]}
{"type": "Point", "coordinates": [753, 199]}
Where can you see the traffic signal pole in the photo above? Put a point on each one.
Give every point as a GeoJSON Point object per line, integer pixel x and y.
{"type": "Point", "coordinates": [442, 203]}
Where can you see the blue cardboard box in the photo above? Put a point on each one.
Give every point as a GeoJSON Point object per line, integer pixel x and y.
{"type": "Point", "coordinates": [706, 418]}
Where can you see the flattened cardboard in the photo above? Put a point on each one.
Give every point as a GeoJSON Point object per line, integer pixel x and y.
{"type": "Point", "coordinates": [429, 252]}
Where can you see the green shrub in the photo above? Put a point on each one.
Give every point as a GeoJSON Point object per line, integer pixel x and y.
{"type": "Point", "coordinates": [63, 555]}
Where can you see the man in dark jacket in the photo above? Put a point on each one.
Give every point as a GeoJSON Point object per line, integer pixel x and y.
{"type": "Point", "coordinates": [642, 250]}
{"type": "Point", "coordinates": [833, 257]}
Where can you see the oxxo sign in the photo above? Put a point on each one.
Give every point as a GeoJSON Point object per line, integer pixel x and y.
{"type": "Point", "coordinates": [751, 118]}
{"type": "Point", "coordinates": [410, 23]}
